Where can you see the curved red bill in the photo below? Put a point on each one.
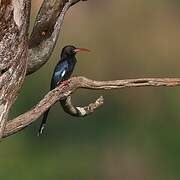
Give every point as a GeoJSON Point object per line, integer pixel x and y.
{"type": "Point", "coordinates": [81, 49]}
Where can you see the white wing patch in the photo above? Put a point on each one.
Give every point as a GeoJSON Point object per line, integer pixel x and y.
{"type": "Point", "coordinates": [63, 73]}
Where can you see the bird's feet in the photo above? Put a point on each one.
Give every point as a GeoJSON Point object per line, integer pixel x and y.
{"type": "Point", "coordinates": [63, 83]}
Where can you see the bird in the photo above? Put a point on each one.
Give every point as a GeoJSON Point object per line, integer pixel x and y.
{"type": "Point", "coordinates": [62, 72]}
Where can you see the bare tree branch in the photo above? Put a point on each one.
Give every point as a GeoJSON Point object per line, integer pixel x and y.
{"type": "Point", "coordinates": [14, 23]}
{"type": "Point", "coordinates": [69, 108]}
{"type": "Point", "coordinates": [45, 32]}
{"type": "Point", "coordinates": [62, 92]}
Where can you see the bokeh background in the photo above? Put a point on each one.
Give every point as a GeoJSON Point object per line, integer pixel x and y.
{"type": "Point", "coordinates": [135, 136]}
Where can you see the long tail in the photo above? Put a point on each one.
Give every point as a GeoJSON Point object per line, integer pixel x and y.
{"type": "Point", "coordinates": [43, 122]}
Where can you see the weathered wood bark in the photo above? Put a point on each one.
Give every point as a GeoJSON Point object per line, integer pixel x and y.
{"type": "Point", "coordinates": [62, 92]}
{"type": "Point", "coordinates": [14, 23]}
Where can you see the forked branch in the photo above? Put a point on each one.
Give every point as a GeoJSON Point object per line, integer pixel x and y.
{"type": "Point", "coordinates": [75, 83]}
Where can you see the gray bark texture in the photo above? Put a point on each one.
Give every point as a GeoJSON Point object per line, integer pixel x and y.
{"type": "Point", "coordinates": [14, 23]}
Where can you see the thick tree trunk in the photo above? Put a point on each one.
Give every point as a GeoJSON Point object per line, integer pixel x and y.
{"type": "Point", "coordinates": [14, 21]}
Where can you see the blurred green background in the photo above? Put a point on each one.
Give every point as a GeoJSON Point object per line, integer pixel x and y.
{"type": "Point", "coordinates": [135, 136]}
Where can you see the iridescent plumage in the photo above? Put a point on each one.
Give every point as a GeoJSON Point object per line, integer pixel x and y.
{"type": "Point", "coordinates": [62, 72]}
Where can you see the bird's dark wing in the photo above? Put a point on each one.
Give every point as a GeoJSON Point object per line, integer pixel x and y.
{"type": "Point", "coordinates": [59, 74]}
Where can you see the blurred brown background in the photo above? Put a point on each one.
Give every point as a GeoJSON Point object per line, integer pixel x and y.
{"type": "Point", "coordinates": [135, 136]}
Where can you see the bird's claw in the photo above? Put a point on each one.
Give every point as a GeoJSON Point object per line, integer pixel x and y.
{"type": "Point", "coordinates": [63, 83]}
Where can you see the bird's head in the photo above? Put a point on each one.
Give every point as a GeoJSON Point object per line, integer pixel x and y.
{"type": "Point", "coordinates": [69, 51]}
